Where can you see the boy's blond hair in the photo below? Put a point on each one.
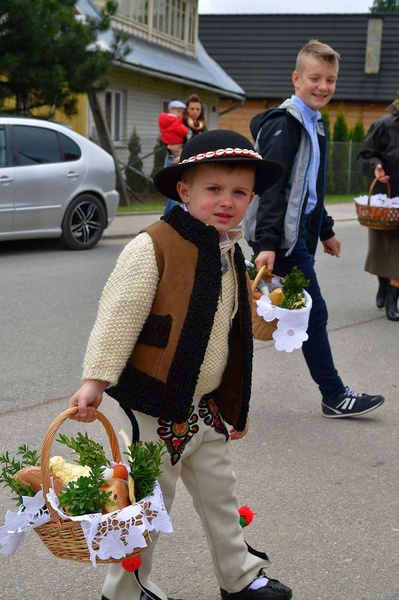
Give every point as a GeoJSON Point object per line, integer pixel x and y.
{"type": "Point", "coordinates": [317, 50]}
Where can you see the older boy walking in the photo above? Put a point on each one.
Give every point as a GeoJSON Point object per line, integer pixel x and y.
{"type": "Point", "coordinates": [291, 216]}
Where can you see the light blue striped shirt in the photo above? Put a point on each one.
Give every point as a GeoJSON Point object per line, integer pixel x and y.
{"type": "Point", "coordinates": [310, 118]}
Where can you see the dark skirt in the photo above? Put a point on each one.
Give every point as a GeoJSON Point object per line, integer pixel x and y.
{"type": "Point", "coordinates": [383, 253]}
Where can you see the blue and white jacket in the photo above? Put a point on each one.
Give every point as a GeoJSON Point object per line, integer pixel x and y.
{"type": "Point", "coordinates": [282, 137]}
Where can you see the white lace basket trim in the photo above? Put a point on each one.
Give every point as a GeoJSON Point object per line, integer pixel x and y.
{"type": "Point", "coordinates": [292, 324]}
{"type": "Point", "coordinates": [378, 200]}
{"type": "Point", "coordinates": [114, 536]}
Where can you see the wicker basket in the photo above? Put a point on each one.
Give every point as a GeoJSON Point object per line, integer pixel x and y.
{"type": "Point", "coordinates": [261, 330]}
{"type": "Point", "coordinates": [378, 217]}
{"type": "Point", "coordinates": [65, 538]}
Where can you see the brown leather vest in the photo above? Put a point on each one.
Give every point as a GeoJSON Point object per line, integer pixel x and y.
{"type": "Point", "coordinates": [161, 374]}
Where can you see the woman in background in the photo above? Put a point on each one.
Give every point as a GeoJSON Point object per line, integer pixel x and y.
{"type": "Point", "coordinates": [193, 116]}
{"type": "Point", "coordinates": [379, 159]}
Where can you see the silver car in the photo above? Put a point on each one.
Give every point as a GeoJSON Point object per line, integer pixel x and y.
{"type": "Point", "coordinates": [54, 183]}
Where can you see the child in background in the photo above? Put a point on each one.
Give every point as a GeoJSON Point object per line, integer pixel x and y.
{"type": "Point", "coordinates": [173, 131]}
{"type": "Point", "coordinates": [173, 340]}
{"type": "Point", "coordinates": [173, 135]}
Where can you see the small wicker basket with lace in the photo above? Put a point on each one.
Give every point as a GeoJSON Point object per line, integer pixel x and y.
{"type": "Point", "coordinates": [261, 330]}
{"type": "Point", "coordinates": [385, 218]}
{"type": "Point", "coordinates": [65, 538]}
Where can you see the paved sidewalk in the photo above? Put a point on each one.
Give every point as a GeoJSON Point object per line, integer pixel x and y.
{"type": "Point", "coordinates": [127, 225]}
{"type": "Point", "coordinates": [325, 491]}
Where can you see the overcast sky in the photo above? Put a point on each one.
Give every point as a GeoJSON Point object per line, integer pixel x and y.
{"type": "Point", "coordinates": [283, 6]}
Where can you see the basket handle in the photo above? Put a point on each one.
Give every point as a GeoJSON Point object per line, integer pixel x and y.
{"type": "Point", "coordinates": [373, 183]}
{"type": "Point", "coordinates": [261, 275]}
{"type": "Point", "coordinates": [48, 441]}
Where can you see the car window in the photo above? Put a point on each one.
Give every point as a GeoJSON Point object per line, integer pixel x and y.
{"type": "Point", "coordinates": [3, 156]}
{"type": "Point", "coordinates": [36, 145]}
{"type": "Point", "coordinates": [70, 149]}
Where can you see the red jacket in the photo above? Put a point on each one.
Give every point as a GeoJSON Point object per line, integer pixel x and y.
{"type": "Point", "coordinates": [172, 129]}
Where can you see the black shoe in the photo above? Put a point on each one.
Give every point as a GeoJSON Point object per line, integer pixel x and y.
{"type": "Point", "coordinates": [350, 404]}
{"type": "Point", "coordinates": [391, 303]}
{"type": "Point", "coordinates": [273, 590]}
{"type": "Point", "coordinates": [382, 291]}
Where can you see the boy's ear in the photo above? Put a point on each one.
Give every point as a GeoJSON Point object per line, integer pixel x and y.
{"type": "Point", "coordinates": [251, 198]}
{"type": "Point", "coordinates": [294, 78]}
{"type": "Point", "coordinates": [182, 189]}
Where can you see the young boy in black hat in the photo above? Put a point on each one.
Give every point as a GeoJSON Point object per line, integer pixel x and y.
{"type": "Point", "coordinates": [173, 338]}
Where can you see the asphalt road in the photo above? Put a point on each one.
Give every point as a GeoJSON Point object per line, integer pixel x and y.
{"type": "Point", "coordinates": [325, 491]}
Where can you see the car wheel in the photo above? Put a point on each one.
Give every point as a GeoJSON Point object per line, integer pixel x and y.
{"type": "Point", "coordinates": [84, 223]}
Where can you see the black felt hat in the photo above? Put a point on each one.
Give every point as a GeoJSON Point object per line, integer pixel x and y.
{"type": "Point", "coordinates": [218, 146]}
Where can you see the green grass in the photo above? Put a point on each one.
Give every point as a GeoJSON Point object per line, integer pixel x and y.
{"type": "Point", "coordinates": [145, 207]}
{"type": "Point", "coordinates": [339, 199]}
{"type": "Point", "coordinates": [159, 206]}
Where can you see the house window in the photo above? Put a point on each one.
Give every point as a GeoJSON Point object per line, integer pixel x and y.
{"type": "Point", "coordinates": [191, 18]}
{"type": "Point", "coordinates": [173, 18]}
{"type": "Point", "coordinates": [136, 10]}
{"type": "Point", "coordinates": [114, 114]}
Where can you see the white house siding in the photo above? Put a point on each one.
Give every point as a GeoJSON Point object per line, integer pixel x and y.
{"type": "Point", "coordinates": [143, 99]}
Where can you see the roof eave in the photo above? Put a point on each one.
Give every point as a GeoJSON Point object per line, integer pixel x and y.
{"type": "Point", "coordinates": [182, 80]}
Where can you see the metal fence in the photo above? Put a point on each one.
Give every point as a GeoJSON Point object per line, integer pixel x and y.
{"type": "Point", "coordinates": [139, 162]}
{"type": "Point", "coordinates": [343, 173]}
{"type": "Point", "coordinates": [146, 157]}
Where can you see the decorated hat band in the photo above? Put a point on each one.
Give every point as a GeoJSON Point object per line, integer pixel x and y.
{"type": "Point", "coordinates": [215, 147]}
{"type": "Point", "coordinates": [222, 152]}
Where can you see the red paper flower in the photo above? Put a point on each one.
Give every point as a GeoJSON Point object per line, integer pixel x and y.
{"type": "Point", "coordinates": [246, 515]}
{"type": "Point", "coordinates": [131, 564]}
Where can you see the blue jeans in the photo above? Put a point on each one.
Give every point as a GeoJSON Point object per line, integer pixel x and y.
{"type": "Point", "coordinates": [169, 205]}
{"type": "Point", "coordinates": [316, 349]}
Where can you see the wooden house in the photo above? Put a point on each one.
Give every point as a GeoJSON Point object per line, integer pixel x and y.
{"type": "Point", "coordinates": [259, 51]}
{"type": "Point", "coordinates": [166, 61]}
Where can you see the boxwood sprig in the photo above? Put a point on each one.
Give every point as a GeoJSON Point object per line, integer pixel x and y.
{"type": "Point", "coordinates": [144, 461]}
{"type": "Point", "coordinates": [293, 285]}
{"type": "Point", "coordinates": [83, 496]}
{"type": "Point", "coordinates": [11, 466]}
{"type": "Point", "coordinates": [89, 452]}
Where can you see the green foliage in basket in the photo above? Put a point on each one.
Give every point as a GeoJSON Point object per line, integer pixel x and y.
{"type": "Point", "coordinates": [90, 453]}
{"type": "Point", "coordinates": [251, 270]}
{"type": "Point", "coordinates": [144, 461]}
{"type": "Point", "coordinates": [83, 495]}
{"type": "Point", "coordinates": [11, 466]}
{"type": "Point", "coordinates": [293, 285]}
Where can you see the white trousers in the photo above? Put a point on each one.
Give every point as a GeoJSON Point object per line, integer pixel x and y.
{"type": "Point", "coordinates": [199, 453]}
